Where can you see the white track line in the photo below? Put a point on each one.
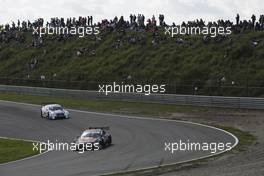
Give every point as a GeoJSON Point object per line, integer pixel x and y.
{"type": "Point", "coordinates": [147, 118]}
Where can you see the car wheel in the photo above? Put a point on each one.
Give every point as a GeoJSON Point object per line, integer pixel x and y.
{"type": "Point", "coordinates": [110, 140]}
{"type": "Point", "coordinates": [101, 145]}
{"type": "Point", "coordinates": [41, 115]}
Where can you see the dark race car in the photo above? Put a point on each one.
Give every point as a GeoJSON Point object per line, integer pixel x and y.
{"type": "Point", "coordinates": [94, 138]}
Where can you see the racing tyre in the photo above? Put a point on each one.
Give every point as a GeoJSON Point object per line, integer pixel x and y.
{"type": "Point", "coordinates": [101, 145]}
{"type": "Point", "coordinates": [110, 140]}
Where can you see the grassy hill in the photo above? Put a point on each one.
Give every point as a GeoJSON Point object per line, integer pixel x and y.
{"type": "Point", "coordinates": [230, 66]}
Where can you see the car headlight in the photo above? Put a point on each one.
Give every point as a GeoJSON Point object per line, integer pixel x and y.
{"type": "Point", "coordinates": [66, 113]}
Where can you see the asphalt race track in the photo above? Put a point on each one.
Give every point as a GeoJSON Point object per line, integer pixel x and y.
{"type": "Point", "coordinates": [137, 142]}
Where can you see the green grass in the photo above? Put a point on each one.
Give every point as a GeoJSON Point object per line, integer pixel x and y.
{"type": "Point", "coordinates": [11, 149]}
{"type": "Point", "coordinates": [235, 58]}
{"type": "Point", "coordinates": [120, 107]}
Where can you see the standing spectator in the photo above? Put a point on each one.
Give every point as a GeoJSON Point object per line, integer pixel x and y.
{"type": "Point", "coordinates": [90, 20]}
{"type": "Point", "coordinates": [237, 19]}
{"type": "Point", "coordinates": [153, 21]}
{"type": "Point", "coordinates": [131, 18]}
{"type": "Point", "coordinates": [253, 19]}
{"type": "Point", "coordinates": [161, 20]}
{"type": "Point", "coordinates": [261, 21]}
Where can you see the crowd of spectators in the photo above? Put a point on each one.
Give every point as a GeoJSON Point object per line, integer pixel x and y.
{"type": "Point", "coordinates": [136, 23]}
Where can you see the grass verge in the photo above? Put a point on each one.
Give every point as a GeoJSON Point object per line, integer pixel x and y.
{"type": "Point", "coordinates": [120, 107]}
{"type": "Point", "coordinates": [14, 149]}
{"type": "Point", "coordinates": [117, 107]}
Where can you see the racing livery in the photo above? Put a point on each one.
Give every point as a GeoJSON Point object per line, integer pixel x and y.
{"type": "Point", "coordinates": [54, 111]}
{"type": "Point", "coordinates": [97, 137]}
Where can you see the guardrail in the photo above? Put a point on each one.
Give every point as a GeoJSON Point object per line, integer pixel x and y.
{"type": "Point", "coordinates": [193, 100]}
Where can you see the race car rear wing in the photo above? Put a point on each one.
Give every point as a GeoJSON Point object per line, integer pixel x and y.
{"type": "Point", "coordinates": [102, 128]}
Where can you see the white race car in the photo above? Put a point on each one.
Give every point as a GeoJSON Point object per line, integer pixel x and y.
{"type": "Point", "coordinates": [54, 111]}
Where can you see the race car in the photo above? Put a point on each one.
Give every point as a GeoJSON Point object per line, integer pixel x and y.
{"type": "Point", "coordinates": [54, 111]}
{"type": "Point", "coordinates": [94, 138]}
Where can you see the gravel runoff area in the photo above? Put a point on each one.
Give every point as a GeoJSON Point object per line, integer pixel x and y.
{"type": "Point", "coordinates": [246, 163]}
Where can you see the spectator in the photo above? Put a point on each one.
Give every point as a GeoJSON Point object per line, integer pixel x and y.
{"type": "Point", "coordinates": [237, 19]}
{"type": "Point", "coordinates": [253, 19]}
